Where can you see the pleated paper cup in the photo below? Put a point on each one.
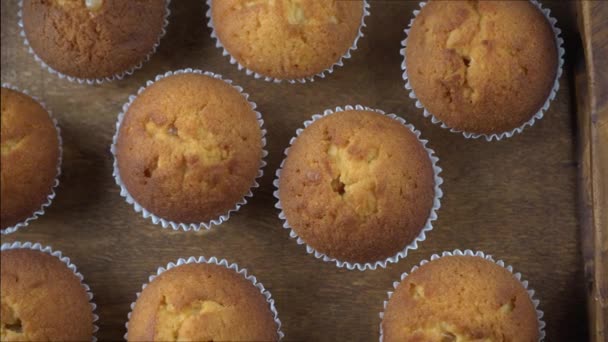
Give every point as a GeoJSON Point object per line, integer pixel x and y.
{"type": "Point", "coordinates": [468, 252]}
{"type": "Point", "coordinates": [257, 75]}
{"type": "Point", "coordinates": [559, 42]}
{"type": "Point", "coordinates": [165, 223]}
{"type": "Point", "coordinates": [51, 195]}
{"type": "Point", "coordinates": [57, 254]}
{"type": "Point", "coordinates": [412, 245]}
{"type": "Point", "coordinates": [220, 262]}
{"type": "Point", "coordinates": [91, 81]}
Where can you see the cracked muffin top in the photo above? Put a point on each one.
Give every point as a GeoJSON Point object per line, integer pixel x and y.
{"type": "Point", "coordinates": [201, 302]}
{"type": "Point", "coordinates": [93, 38]}
{"type": "Point", "coordinates": [287, 39]}
{"type": "Point", "coordinates": [460, 298]}
{"type": "Point", "coordinates": [357, 186]}
{"type": "Point", "coordinates": [42, 299]}
{"type": "Point", "coordinates": [481, 66]}
{"type": "Point", "coordinates": [30, 154]}
{"type": "Point", "coordinates": [189, 148]}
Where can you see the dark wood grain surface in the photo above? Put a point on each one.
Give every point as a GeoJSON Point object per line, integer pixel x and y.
{"type": "Point", "coordinates": [591, 70]}
{"type": "Point", "coordinates": [514, 199]}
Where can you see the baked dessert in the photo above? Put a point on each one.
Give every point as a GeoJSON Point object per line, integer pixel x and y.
{"type": "Point", "coordinates": [30, 157]}
{"type": "Point", "coordinates": [201, 302]}
{"type": "Point", "coordinates": [357, 186]}
{"type": "Point", "coordinates": [93, 39]}
{"type": "Point", "coordinates": [460, 298]}
{"type": "Point", "coordinates": [189, 148]}
{"type": "Point", "coordinates": [481, 66]}
{"type": "Point", "coordinates": [287, 39]}
{"type": "Point", "coordinates": [42, 299]}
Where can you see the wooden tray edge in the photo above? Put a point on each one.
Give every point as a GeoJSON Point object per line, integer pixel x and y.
{"type": "Point", "coordinates": [591, 79]}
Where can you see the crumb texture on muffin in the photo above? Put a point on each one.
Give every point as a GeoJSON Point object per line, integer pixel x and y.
{"type": "Point", "coordinates": [357, 186]}
{"type": "Point", "coordinates": [481, 66]}
{"type": "Point", "coordinates": [29, 156]}
{"type": "Point", "coordinates": [93, 38]}
{"type": "Point", "coordinates": [287, 39]}
{"type": "Point", "coordinates": [201, 302]}
{"type": "Point", "coordinates": [189, 148]}
{"type": "Point", "coordinates": [42, 299]}
{"type": "Point", "coordinates": [460, 298]}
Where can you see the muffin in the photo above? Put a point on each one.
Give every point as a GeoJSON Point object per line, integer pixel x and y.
{"type": "Point", "coordinates": [286, 39]}
{"type": "Point", "coordinates": [357, 186]}
{"type": "Point", "coordinates": [30, 157]}
{"type": "Point", "coordinates": [201, 302]}
{"type": "Point", "coordinates": [189, 148]}
{"type": "Point", "coordinates": [42, 299]}
{"type": "Point", "coordinates": [482, 67]}
{"type": "Point", "coordinates": [93, 39]}
{"type": "Point", "coordinates": [460, 298]}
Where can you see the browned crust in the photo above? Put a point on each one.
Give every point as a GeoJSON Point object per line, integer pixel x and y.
{"type": "Point", "coordinates": [481, 66]}
{"type": "Point", "coordinates": [30, 153]}
{"type": "Point", "coordinates": [287, 39]}
{"type": "Point", "coordinates": [237, 310]}
{"type": "Point", "coordinates": [189, 148]}
{"type": "Point", "coordinates": [387, 192]}
{"type": "Point", "coordinates": [45, 295]}
{"type": "Point", "coordinates": [93, 44]}
{"type": "Point", "coordinates": [466, 297]}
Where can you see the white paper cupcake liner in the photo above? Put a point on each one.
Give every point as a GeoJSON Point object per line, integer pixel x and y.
{"type": "Point", "coordinates": [468, 252]}
{"type": "Point", "coordinates": [321, 74]}
{"type": "Point", "coordinates": [168, 223]}
{"type": "Point", "coordinates": [48, 250]}
{"type": "Point", "coordinates": [51, 195]}
{"type": "Point", "coordinates": [219, 262]}
{"type": "Point", "coordinates": [401, 254]}
{"type": "Point", "coordinates": [91, 81]}
{"type": "Point", "coordinates": [559, 42]}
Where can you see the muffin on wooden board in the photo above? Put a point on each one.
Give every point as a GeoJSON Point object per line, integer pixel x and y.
{"type": "Point", "coordinates": [482, 67]}
{"type": "Point", "coordinates": [42, 299]}
{"type": "Point", "coordinates": [189, 148]}
{"type": "Point", "coordinates": [30, 157]}
{"type": "Point", "coordinates": [201, 302]}
{"type": "Point", "coordinates": [286, 39]}
{"type": "Point", "coordinates": [93, 39]}
{"type": "Point", "coordinates": [460, 298]}
{"type": "Point", "coordinates": [357, 186]}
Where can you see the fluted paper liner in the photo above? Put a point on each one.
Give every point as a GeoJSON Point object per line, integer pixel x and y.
{"type": "Point", "coordinates": [48, 250]}
{"type": "Point", "coordinates": [411, 246]}
{"type": "Point", "coordinates": [321, 74]}
{"type": "Point", "coordinates": [91, 81]}
{"type": "Point", "coordinates": [51, 195]}
{"type": "Point", "coordinates": [220, 262]}
{"type": "Point", "coordinates": [559, 42]}
{"type": "Point", "coordinates": [168, 223]}
{"type": "Point", "coordinates": [468, 252]}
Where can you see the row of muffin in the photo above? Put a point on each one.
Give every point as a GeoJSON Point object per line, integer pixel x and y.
{"type": "Point", "coordinates": [455, 296]}
{"type": "Point", "coordinates": [189, 148]}
{"type": "Point", "coordinates": [482, 68]}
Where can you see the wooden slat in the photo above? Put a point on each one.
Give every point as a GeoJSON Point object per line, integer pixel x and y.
{"type": "Point", "coordinates": [592, 96]}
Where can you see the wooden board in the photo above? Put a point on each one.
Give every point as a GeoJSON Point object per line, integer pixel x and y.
{"type": "Point", "coordinates": [515, 199]}
{"type": "Point", "coordinates": [592, 96]}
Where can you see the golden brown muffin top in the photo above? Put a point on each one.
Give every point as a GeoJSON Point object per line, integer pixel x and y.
{"type": "Point", "coordinates": [357, 186]}
{"type": "Point", "coordinates": [460, 298]}
{"type": "Point", "coordinates": [481, 66]}
{"type": "Point", "coordinates": [30, 154]}
{"type": "Point", "coordinates": [101, 40]}
{"type": "Point", "coordinates": [189, 148]}
{"type": "Point", "coordinates": [201, 302]}
{"type": "Point", "coordinates": [42, 299]}
{"type": "Point", "coordinates": [287, 39]}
